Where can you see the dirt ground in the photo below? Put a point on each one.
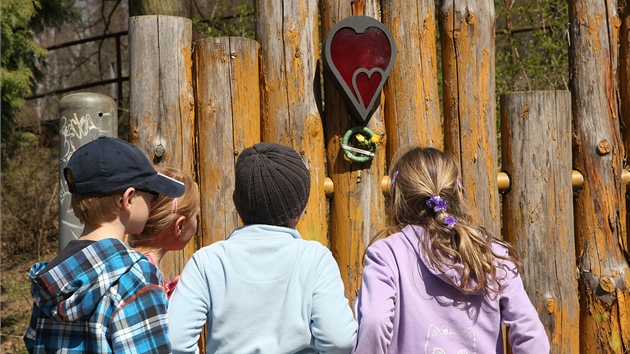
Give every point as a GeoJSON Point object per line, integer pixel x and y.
{"type": "Point", "coordinates": [16, 302]}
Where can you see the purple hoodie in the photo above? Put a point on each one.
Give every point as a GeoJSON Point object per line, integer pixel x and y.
{"type": "Point", "coordinates": [406, 305]}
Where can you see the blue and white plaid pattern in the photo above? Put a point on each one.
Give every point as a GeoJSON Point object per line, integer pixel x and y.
{"type": "Point", "coordinates": [107, 298]}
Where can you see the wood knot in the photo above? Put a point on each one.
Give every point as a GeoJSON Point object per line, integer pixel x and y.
{"type": "Point", "coordinates": [607, 284]}
{"type": "Point", "coordinates": [525, 111]}
{"type": "Point", "coordinates": [550, 305]}
{"type": "Point", "coordinates": [159, 150]}
{"type": "Point", "coordinates": [603, 147]}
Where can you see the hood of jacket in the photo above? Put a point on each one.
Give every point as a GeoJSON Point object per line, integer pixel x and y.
{"type": "Point", "coordinates": [72, 290]}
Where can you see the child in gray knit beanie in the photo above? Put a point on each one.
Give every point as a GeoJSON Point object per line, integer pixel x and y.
{"type": "Point", "coordinates": [264, 289]}
{"type": "Point", "coordinates": [272, 184]}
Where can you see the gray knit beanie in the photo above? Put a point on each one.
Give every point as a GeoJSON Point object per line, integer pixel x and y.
{"type": "Point", "coordinates": [272, 184]}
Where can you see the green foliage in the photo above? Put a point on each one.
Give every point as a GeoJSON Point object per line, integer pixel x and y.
{"type": "Point", "coordinates": [532, 46]}
{"type": "Point", "coordinates": [15, 292]}
{"type": "Point", "coordinates": [21, 55]}
{"type": "Point", "coordinates": [18, 53]}
{"type": "Point", "coordinates": [239, 21]}
{"type": "Point", "coordinates": [29, 199]}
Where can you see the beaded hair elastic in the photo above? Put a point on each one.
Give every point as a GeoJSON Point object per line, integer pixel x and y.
{"type": "Point", "coordinates": [439, 204]}
{"type": "Point", "coordinates": [450, 221]}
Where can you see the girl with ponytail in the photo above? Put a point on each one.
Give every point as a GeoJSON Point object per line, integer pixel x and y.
{"type": "Point", "coordinates": [434, 281]}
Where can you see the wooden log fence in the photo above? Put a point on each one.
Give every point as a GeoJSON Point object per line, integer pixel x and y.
{"type": "Point", "coordinates": [413, 102]}
{"type": "Point", "coordinates": [598, 153]}
{"type": "Point", "coordinates": [467, 38]}
{"type": "Point", "coordinates": [162, 120]}
{"type": "Point", "coordinates": [538, 208]}
{"type": "Point", "coordinates": [230, 121]}
{"type": "Point", "coordinates": [561, 184]}
{"type": "Point", "coordinates": [289, 52]}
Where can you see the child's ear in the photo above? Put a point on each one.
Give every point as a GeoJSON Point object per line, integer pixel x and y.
{"type": "Point", "coordinates": [127, 199]}
{"type": "Point", "coordinates": [180, 225]}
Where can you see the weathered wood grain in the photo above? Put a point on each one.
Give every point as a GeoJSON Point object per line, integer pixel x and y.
{"type": "Point", "coordinates": [624, 95]}
{"type": "Point", "coordinates": [604, 281]}
{"type": "Point", "coordinates": [538, 209]}
{"type": "Point", "coordinates": [161, 100]}
{"type": "Point", "coordinates": [413, 103]}
{"type": "Point", "coordinates": [228, 121]}
{"type": "Point", "coordinates": [290, 43]}
{"type": "Point", "coordinates": [467, 38]}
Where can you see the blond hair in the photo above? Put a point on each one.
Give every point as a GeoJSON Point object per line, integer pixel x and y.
{"type": "Point", "coordinates": [95, 209]}
{"type": "Point", "coordinates": [417, 174]}
{"type": "Point", "coordinates": [166, 210]}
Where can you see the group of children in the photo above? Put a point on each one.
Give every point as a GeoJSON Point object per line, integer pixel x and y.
{"type": "Point", "coordinates": [433, 281]}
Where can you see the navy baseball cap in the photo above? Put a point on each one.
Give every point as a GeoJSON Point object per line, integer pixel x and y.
{"type": "Point", "coordinates": [109, 165]}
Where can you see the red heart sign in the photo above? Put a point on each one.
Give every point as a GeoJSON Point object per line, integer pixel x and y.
{"type": "Point", "coordinates": [359, 53]}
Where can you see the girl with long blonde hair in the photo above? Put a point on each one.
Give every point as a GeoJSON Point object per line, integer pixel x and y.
{"type": "Point", "coordinates": [434, 281]}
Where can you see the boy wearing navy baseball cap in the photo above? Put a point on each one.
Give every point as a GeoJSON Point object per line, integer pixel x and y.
{"type": "Point", "coordinates": [99, 295]}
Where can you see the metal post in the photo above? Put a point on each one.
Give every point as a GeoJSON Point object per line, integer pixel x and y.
{"type": "Point", "coordinates": [82, 118]}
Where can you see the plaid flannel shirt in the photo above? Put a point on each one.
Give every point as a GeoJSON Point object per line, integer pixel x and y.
{"type": "Point", "coordinates": [106, 298]}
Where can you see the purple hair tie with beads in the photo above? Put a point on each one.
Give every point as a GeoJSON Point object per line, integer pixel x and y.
{"type": "Point", "coordinates": [450, 221]}
{"type": "Point", "coordinates": [437, 203]}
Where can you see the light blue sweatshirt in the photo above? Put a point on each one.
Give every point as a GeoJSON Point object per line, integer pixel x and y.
{"type": "Point", "coordinates": [406, 305]}
{"type": "Point", "coordinates": [263, 290]}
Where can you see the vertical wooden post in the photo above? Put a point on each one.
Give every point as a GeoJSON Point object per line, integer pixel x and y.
{"type": "Point", "coordinates": [538, 209]}
{"type": "Point", "coordinates": [83, 117]}
{"type": "Point", "coordinates": [289, 39]}
{"type": "Point", "coordinates": [624, 94]}
{"type": "Point", "coordinates": [624, 71]}
{"type": "Point", "coordinates": [357, 204]}
{"type": "Point", "coordinates": [467, 37]}
{"type": "Point", "coordinates": [412, 107]}
{"type": "Point", "coordinates": [598, 154]}
{"type": "Point", "coordinates": [228, 121]}
{"type": "Point", "coordinates": [162, 119]}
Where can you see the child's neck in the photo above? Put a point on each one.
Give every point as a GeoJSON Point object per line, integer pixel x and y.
{"type": "Point", "coordinates": [100, 232]}
{"type": "Point", "coordinates": [155, 255]}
